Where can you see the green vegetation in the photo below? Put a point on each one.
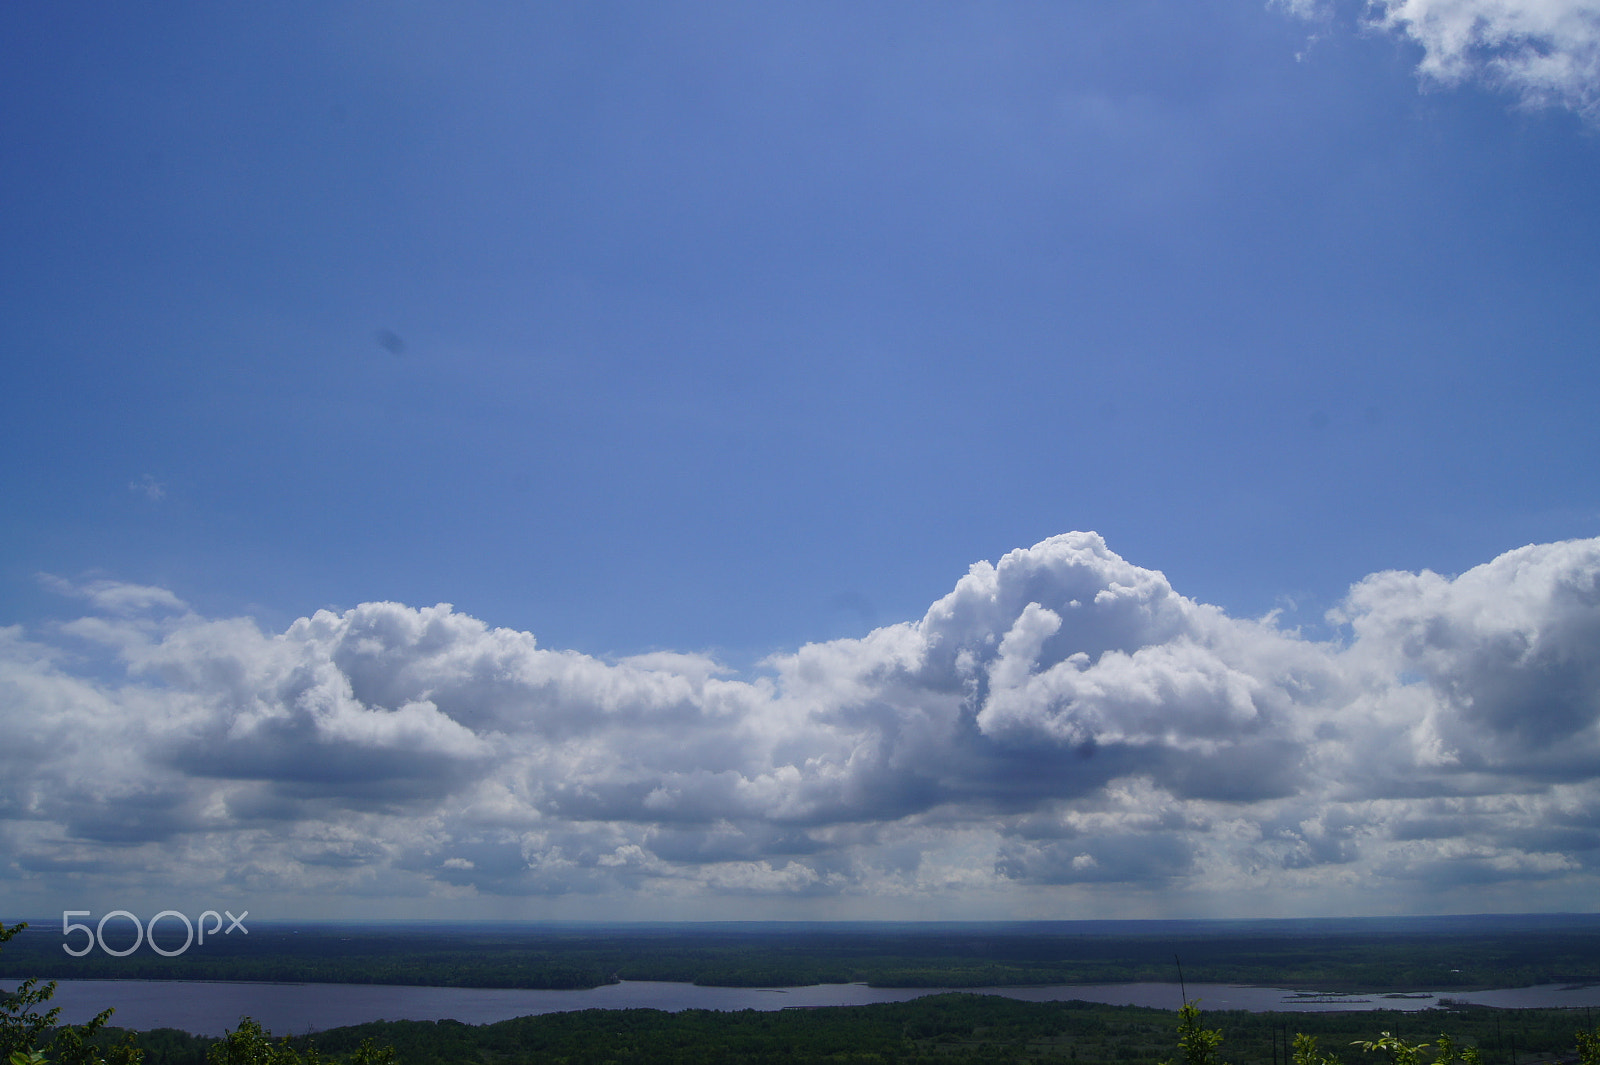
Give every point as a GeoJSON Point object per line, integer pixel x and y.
{"type": "Point", "coordinates": [950, 1029]}
{"type": "Point", "coordinates": [953, 1029]}
{"type": "Point", "coordinates": [1370, 956]}
{"type": "Point", "coordinates": [24, 1026]}
{"type": "Point", "coordinates": [250, 1044]}
{"type": "Point", "coordinates": [1199, 1045]}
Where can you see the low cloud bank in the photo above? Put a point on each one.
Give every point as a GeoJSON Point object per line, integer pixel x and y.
{"type": "Point", "coordinates": [1062, 726]}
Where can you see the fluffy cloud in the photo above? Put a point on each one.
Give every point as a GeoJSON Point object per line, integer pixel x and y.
{"type": "Point", "coordinates": [1063, 724]}
{"type": "Point", "coordinates": [1545, 51]}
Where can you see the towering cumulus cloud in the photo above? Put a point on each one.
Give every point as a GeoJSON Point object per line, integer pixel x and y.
{"type": "Point", "coordinates": [1061, 733]}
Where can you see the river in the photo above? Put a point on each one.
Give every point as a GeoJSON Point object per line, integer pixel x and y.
{"type": "Point", "coordinates": [211, 1008]}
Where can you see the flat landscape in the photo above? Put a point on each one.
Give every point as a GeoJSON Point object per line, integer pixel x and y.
{"type": "Point", "coordinates": [1373, 954]}
{"type": "Point", "coordinates": [950, 1028]}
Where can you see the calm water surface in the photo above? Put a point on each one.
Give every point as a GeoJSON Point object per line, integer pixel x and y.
{"type": "Point", "coordinates": [213, 1008]}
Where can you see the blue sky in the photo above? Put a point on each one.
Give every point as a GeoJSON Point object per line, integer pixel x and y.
{"type": "Point", "coordinates": [737, 332]}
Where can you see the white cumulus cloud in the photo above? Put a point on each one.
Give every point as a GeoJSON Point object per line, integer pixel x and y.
{"type": "Point", "coordinates": [1547, 52]}
{"type": "Point", "coordinates": [1062, 724]}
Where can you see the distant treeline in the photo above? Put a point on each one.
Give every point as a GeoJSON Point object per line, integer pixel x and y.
{"type": "Point", "coordinates": [1378, 957]}
{"type": "Point", "coordinates": [949, 1029]}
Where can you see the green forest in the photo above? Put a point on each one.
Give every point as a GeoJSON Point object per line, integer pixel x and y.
{"type": "Point", "coordinates": [1466, 954]}
{"type": "Point", "coordinates": [951, 1029]}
